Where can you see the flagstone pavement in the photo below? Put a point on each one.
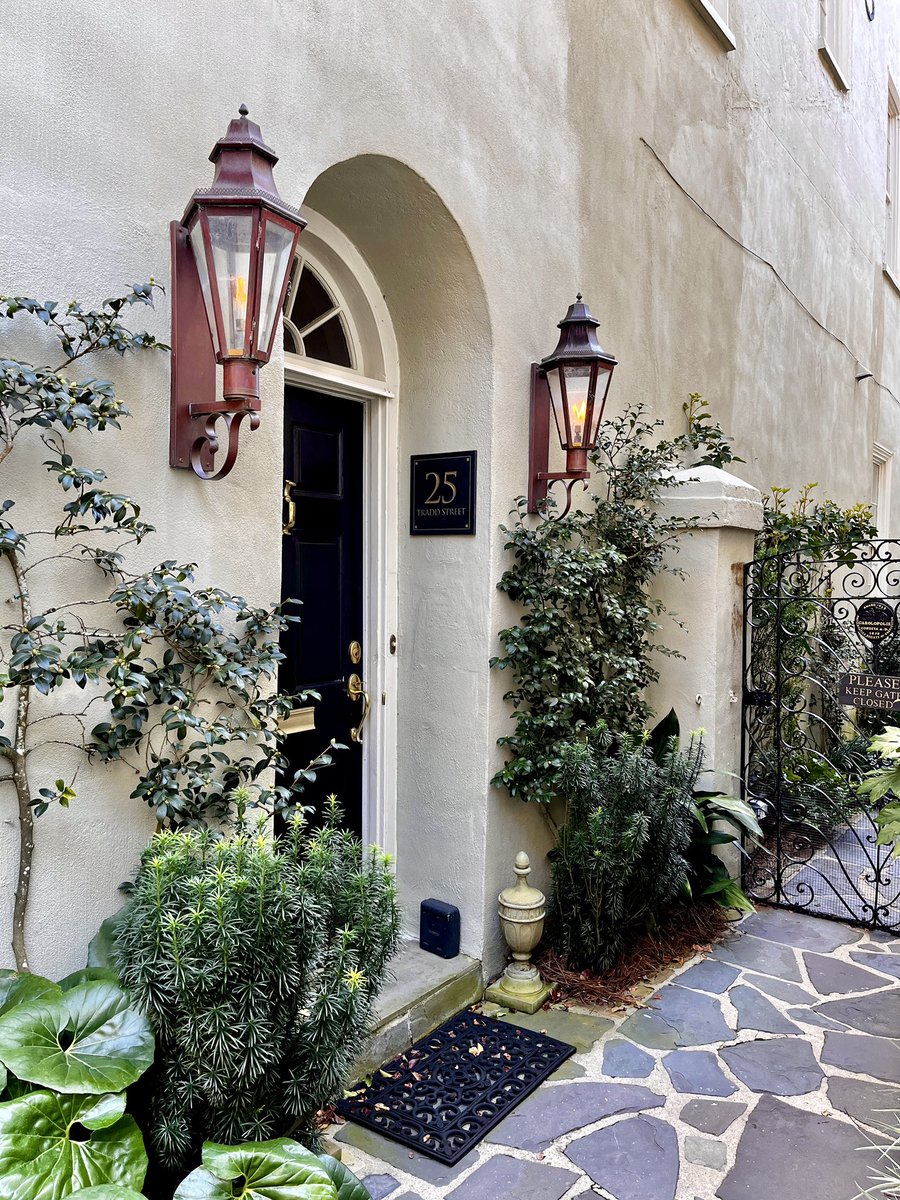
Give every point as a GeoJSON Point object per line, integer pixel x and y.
{"type": "Point", "coordinates": [757, 1072]}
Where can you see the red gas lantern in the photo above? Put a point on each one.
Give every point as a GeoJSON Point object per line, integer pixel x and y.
{"type": "Point", "coordinates": [573, 381]}
{"type": "Point", "coordinates": [231, 263]}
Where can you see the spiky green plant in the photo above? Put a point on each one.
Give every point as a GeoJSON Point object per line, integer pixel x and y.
{"type": "Point", "coordinates": [622, 854]}
{"type": "Point", "coordinates": [258, 962]}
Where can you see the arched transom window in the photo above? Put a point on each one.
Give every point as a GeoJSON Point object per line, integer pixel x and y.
{"type": "Point", "coordinates": [316, 320]}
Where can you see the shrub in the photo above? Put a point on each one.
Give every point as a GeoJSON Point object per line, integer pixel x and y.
{"type": "Point", "coordinates": [258, 962]}
{"type": "Point", "coordinates": [622, 854]}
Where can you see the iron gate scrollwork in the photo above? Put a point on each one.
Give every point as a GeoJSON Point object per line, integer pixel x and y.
{"type": "Point", "coordinates": [804, 752]}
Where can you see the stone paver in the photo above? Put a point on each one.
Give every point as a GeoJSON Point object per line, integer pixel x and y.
{"type": "Point", "coordinates": [709, 976]}
{"type": "Point", "coordinates": [789, 1154]}
{"type": "Point", "coordinates": [869, 1103]}
{"type": "Point", "coordinates": [830, 976]}
{"type": "Point", "coordinates": [380, 1186]}
{"type": "Point", "coordinates": [678, 1017]}
{"type": "Point", "coordinates": [505, 1176]}
{"type": "Point", "coordinates": [706, 1152]}
{"type": "Point", "coordinates": [782, 1066]}
{"type": "Point", "coordinates": [624, 1060]}
{"type": "Point", "coordinates": [862, 1055]}
{"type": "Point", "coordinates": [756, 1012]}
{"type": "Point", "coordinates": [712, 1116]}
{"type": "Point", "coordinates": [551, 1112]}
{"type": "Point", "coordinates": [799, 930]}
{"type": "Point", "coordinates": [889, 964]}
{"type": "Point", "coordinates": [767, 957]}
{"type": "Point", "coordinates": [635, 1159]}
{"type": "Point", "coordinates": [680, 1097]}
{"type": "Point", "coordinates": [697, 1072]}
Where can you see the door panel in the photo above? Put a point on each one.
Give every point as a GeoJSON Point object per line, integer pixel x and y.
{"type": "Point", "coordinates": [322, 567]}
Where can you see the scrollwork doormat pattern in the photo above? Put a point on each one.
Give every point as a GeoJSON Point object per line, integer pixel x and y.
{"type": "Point", "coordinates": [446, 1093]}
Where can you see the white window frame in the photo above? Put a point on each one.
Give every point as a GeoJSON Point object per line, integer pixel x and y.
{"type": "Point", "coordinates": [715, 13]}
{"type": "Point", "coordinates": [882, 461]}
{"type": "Point", "coordinates": [835, 39]}
{"type": "Point", "coordinates": [892, 188]}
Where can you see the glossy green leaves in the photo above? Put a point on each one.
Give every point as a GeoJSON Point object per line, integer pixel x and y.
{"type": "Point", "coordinates": [277, 1170]}
{"type": "Point", "coordinates": [52, 1145]}
{"type": "Point", "coordinates": [89, 1039]}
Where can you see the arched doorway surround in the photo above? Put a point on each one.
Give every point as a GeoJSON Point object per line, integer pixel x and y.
{"type": "Point", "coordinates": [339, 341]}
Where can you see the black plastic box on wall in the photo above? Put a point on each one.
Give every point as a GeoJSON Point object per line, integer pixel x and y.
{"type": "Point", "coordinates": [439, 928]}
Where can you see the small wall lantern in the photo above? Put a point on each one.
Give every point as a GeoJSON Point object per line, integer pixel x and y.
{"type": "Point", "coordinates": [572, 382]}
{"type": "Point", "coordinates": [231, 260]}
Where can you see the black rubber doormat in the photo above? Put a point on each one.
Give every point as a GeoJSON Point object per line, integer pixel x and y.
{"type": "Point", "coordinates": [442, 1096]}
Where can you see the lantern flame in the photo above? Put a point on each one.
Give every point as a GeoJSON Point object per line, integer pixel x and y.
{"type": "Point", "coordinates": [579, 412]}
{"type": "Point", "coordinates": [239, 309]}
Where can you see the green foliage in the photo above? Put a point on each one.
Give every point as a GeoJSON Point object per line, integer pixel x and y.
{"type": "Point", "coordinates": [884, 781]}
{"type": "Point", "coordinates": [623, 853]}
{"type": "Point", "coordinates": [70, 1049]}
{"type": "Point", "coordinates": [88, 1039]}
{"type": "Point", "coordinates": [258, 963]}
{"type": "Point", "coordinates": [709, 875]}
{"type": "Point", "coordinates": [52, 1144]}
{"type": "Point", "coordinates": [705, 435]}
{"type": "Point", "coordinates": [274, 1170]}
{"type": "Point", "coordinates": [178, 680]}
{"type": "Point", "coordinates": [800, 643]}
{"type": "Point", "coordinates": [582, 650]}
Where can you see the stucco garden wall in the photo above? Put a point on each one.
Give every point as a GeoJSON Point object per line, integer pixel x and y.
{"type": "Point", "coordinates": [532, 125]}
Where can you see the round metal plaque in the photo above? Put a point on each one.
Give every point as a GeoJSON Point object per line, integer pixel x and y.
{"type": "Point", "coordinates": [876, 620]}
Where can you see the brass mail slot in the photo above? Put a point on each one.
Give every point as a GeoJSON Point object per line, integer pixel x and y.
{"type": "Point", "coordinates": [298, 721]}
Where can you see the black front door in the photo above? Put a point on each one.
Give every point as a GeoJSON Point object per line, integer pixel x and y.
{"type": "Point", "coordinates": [322, 567]}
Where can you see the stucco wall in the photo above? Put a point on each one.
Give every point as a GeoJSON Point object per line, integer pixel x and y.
{"type": "Point", "coordinates": [531, 126]}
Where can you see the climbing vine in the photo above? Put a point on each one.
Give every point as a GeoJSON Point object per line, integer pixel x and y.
{"type": "Point", "coordinates": [582, 651]}
{"type": "Point", "coordinates": [176, 680]}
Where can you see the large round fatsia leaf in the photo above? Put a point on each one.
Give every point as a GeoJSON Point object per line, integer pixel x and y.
{"type": "Point", "coordinates": [52, 1145]}
{"type": "Point", "coordinates": [278, 1170]}
{"type": "Point", "coordinates": [89, 1039]}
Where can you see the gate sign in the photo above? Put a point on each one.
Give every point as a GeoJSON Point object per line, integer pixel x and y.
{"type": "Point", "coordinates": [875, 620]}
{"type": "Point", "coordinates": [863, 690]}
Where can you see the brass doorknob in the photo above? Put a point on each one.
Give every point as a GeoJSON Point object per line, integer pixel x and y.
{"type": "Point", "coordinates": [291, 507]}
{"type": "Point", "coordinates": [356, 690]}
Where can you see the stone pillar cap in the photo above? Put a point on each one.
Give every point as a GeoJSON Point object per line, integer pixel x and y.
{"type": "Point", "coordinates": [714, 498]}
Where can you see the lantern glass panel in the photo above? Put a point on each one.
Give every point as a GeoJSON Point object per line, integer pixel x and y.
{"type": "Point", "coordinates": [278, 243]}
{"type": "Point", "coordinates": [578, 394]}
{"type": "Point", "coordinates": [604, 378]}
{"type": "Point", "coordinates": [231, 241]}
{"type": "Point", "coordinates": [198, 246]}
{"type": "Point", "coordinates": [556, 398]}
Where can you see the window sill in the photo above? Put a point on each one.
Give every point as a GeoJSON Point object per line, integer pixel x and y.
{"type": "Point", "coordinates": [830, 60]}
{"type": "Point", "coordinates": [892, 277]}
{"type": "Point", "coordinates": [718, 26]}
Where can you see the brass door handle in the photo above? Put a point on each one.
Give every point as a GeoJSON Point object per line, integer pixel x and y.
{"type": "Point", "coordinates": [292, 507]}
{"type": "Point", "coordinates": [356, 690]}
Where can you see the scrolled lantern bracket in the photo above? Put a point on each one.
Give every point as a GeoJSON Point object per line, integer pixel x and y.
{"type": "Point", "coordinates": [230, 315]}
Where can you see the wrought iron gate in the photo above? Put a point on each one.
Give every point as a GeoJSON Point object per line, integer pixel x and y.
{"type": "Point", "coordinates": [804, 751]}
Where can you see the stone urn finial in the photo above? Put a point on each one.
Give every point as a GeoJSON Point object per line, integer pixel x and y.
{"type": "Point", "coordinates": [521, 910]}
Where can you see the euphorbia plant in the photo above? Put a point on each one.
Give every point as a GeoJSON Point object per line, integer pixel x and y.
{"type": "Point", "coordinates": [178, 679]}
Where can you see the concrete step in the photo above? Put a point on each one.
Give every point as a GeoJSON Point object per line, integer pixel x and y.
{"type": "Point", "coordinates": [426, 990]}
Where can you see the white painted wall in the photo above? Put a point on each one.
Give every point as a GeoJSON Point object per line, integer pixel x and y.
{"type": "Point", "coordinates": [498, 160]}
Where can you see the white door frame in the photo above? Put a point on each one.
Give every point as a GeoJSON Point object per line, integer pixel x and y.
{"type": "Point", "coordinates": [374, 382]}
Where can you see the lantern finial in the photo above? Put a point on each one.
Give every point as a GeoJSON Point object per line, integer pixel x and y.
{"type": "Point", "coordinates": [245, 112]}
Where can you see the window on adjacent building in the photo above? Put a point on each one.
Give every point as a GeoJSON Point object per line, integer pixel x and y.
{"type": "Point", "coordinates": [715, 13]}
{"type": "Point", "coordinates": [834, 39]}
{"type": "Point", "coordinates": [892, 186]}
{"type": "Point", "coordinates": [881, 488]}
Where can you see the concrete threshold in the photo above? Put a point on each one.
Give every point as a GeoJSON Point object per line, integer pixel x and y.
{"type": "Point", "coordinates": [426, 990]}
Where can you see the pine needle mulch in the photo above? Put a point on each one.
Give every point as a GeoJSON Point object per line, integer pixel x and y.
{"type": "Point", "coordinates": [683, 933]}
